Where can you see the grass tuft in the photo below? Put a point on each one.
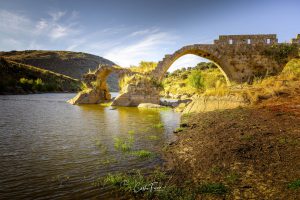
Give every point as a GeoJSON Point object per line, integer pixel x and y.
{"type": "Point", "coordinates": [179, 129]}
{"type": "Point", "coordinates": [131, 132]}
{"type": "Point", "coordinates": [213, 188]}
{"type": "Point", "coordinates": [153, 137]}
{"type": "Point", "coordinates": [122, 144]}
{"type": "Point", "coordinates": [294, 185]}
{"type": "Point", "coordinates": [143, 154]}
{"type": "Point", "coordinates": [159, 125]}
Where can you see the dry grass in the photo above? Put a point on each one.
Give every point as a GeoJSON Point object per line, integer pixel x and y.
{"type": "Point", "coordinates": [144, 67]}
{"type": "Point", "coordinates": [283, 84]}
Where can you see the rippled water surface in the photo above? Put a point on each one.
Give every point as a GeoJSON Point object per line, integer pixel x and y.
{"type": "Point", "coordinates": [50, 149]}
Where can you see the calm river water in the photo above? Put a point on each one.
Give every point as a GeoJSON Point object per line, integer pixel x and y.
{"type": "Point", "coordinates": [50, 149]}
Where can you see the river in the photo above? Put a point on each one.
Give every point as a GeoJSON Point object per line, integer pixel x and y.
{"type": "Point", "coordinates": [50, 149]}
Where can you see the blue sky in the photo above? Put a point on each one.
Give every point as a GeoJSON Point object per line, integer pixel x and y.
{"type": "Point", "coordinates": [128, 31]}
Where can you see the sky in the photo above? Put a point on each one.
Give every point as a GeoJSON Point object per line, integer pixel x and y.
{"type": "Point", "coordinates": [129, 31]}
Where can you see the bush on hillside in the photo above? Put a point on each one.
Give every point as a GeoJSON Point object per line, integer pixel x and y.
{"type": "Point", "coordinates": [196, 79]}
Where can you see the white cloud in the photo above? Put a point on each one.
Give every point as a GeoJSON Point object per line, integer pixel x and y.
{"type": "Point", "coordinates": [41, 25]}
{"type": "Point", "coordinates": [144, 32]}
{"type": "Point", "coordinates": [18, 31]}
{"type": "Point", "coordinates": [56, 16]}
{"type": "Point", "coordinates": [13, 22]}
{"type": "Point", "coordinates": [148, 48]}
{"type": "Point", "coordinates": [59, 31]}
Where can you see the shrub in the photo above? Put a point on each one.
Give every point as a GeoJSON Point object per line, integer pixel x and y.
{"type": "Point", "coordinates": [38, 85]}
{"type": "Point", "coordinates": [26, 84]}
{"type": "Point", "coordinates": [196, 79]}
{"type": "Point", "coordinates": [50, 86]}
{"type": "Point", "coordinates": [281, 52]}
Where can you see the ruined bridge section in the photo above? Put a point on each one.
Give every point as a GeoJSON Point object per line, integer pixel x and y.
{"type": "Point", "coordinates": [239, 57]}
{"type": "Point", "coordinates": [96, 87]}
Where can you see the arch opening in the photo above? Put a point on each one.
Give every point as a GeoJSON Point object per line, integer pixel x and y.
{"type": "Point", "coordinates": [180, 72]}
{"type": "Point", "coordinates": [200, 54]}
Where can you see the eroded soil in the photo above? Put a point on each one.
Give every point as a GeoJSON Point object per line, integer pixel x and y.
{"type": "Point", "coordinates": [254, 151]}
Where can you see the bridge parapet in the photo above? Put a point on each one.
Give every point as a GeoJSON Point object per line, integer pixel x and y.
{"type": "Point", "coordinates": [267, 39]}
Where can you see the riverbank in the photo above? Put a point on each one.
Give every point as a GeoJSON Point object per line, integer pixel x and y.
{"type": "Point", "coordinates": [253, 151]}
{"type": "Point", "coordinates": [249, 151]}
{"type": "Point", "coordinates": [17, 78]}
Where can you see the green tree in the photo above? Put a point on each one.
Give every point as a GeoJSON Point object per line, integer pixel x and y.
{"type": "Point", "coordinates": [196, 80]}
{"type": "Point", "coordinates": [38, 85]}
{"type": "Point", "coordinates": [26, 84]}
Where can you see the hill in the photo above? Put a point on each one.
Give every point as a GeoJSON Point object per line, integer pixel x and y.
{"type": "Point", "coordinates": [16, 78]}
{"type": "Point", "coordinates": [73, 64]}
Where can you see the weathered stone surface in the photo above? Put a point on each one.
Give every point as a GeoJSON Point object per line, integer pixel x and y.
{"type": "Point", "coordinates": [206, 104]}
{"type": "Point", "coordinates": [88, 97]}
{"type": "Point", "coordinates": [97, 90]}
{"type": "Point", "coordinates": [140, 89]}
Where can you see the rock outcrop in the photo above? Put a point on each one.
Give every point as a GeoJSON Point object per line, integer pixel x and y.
{"type": "Point", "coordinates": [139, 89]}
{"type": "Point", "coordinates": [211, 103]}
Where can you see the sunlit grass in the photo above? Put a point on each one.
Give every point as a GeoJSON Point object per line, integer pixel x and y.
{"type": "Point", "coordinates": [123, 145]}
{"type": "Point", "coordinates": [143, 154]}
{"type": "Point", "coordinates": [144, 67]}
{"type": "Point", "coordinates": [158, 125]}
{"type": "Point", "coordinates": [109, 161]}
{"type": "Point", "coordinates": [131, 132]}
{"type": "Point", "coordinates": [153, 137]}
{"type": "Point", "coordinates": [179, 129]}
{"type": "Point", "coordinates": [157, 186]}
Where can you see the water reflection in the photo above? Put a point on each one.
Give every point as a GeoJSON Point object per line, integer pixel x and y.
{"type": "Point", "coordinates": [50, 149]}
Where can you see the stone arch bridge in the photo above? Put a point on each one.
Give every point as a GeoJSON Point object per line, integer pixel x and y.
{"type": "Point", "coordinates": [239, 57]}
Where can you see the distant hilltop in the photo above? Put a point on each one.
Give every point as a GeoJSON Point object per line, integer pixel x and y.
{"type": "Point", "coordinates": [73, 64]}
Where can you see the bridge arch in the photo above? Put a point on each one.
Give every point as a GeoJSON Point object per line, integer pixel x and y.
{"type": "Point", "coordinates": [205, 51]}
{"type": "Point", "coordinates": [97, 89]}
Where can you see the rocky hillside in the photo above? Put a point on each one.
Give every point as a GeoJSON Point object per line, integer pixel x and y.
{"type": "Point", "coordinates": [73, 64]}
{"type": "Point", "coordinates": [16, 78]}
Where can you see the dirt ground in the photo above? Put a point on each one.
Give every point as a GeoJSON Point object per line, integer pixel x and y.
{"type": "Point", "coordinates": [254, 151]}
